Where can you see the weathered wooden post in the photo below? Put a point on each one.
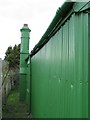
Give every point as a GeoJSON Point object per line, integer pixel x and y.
{"type": "Point", "coordinates": [0, 88]}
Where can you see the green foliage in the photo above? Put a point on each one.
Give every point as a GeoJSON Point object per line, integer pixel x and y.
{"type": "Point", "coordinates": [14, 108]}
{"type": "Point", "coordinates": [13, 56]}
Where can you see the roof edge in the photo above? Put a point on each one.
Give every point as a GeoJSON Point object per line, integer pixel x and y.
{"type": "Point", "coordinates": [60, 15]}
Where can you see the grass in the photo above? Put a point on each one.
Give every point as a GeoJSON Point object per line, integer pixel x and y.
{"type": "Point", "coordinates": [14, 108]}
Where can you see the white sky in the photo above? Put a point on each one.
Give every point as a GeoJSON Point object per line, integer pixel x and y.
{"type": "Point", "coordinates": [38, 14]}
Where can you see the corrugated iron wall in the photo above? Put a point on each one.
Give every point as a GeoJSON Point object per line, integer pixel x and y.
{"type": "Point", "coordinates": [28, 85]}
{"type": "Point", "coordinates": [89, 66]}
{"type": "Point", "coordinates": [59, 72]}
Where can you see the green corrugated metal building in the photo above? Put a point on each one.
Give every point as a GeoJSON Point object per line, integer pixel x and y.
{"type": "Point", "coordinates": [57, 70]}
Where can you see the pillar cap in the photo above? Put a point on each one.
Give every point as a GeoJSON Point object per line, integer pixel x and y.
{"type": "Point", "coordinates": [25, 28]}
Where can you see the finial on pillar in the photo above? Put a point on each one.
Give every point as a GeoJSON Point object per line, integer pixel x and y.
{"type": "Point", "coordinates": [25, 28]}
{"type": "Point", "coordinates": [25, 25]}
